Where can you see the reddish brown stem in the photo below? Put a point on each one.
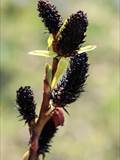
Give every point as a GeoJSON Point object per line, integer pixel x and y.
{"type": "Point", "coordinates": [45, 114]}
{"type": "Point", "coordinates": [42, 120]}
{"type": "Point", "coordinates": [54, 66]}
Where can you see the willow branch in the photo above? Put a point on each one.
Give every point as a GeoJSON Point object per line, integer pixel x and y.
{"type": "Point", "coordinates": [45, 114]}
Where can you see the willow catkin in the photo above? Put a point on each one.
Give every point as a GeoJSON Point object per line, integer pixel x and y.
{"type": "Point", "coordinates": [46, 136]}
{"type": "Point", "coordinates": [26, 103]}
{"type": "Point", "coordinates": [72, 82]}
{"type": "Point", "coordinates": [72, 35]}
{"type": "Point", "coordinates": [49, 15]}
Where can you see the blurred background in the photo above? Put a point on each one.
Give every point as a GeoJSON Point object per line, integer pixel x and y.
{"type": "Point", "coordinates": [91, 132]}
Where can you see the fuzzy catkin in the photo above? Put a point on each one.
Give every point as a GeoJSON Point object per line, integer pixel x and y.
{"type": "Point", "coordinates": [72, 83]}
{"type": "Point", "coordinates": [73, 33]}
{"type": "Point", "coordinates": [25, 103]}
{"type": "Point", "coordinates": [46, 136]}
{"type": "Point", "coordinates": [49, 15]}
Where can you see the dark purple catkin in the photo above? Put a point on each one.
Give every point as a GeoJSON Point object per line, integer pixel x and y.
{"type": "Point", "coordinates": [72, 83]}
{"type": "Point", "coordinates": [50, 16]}
{"type": "Point", "coordinates": [73, 33]}
{"type": "Point", "coordinates": [25, 103]}
{"type": "Point", "coordinates": [46, 136]}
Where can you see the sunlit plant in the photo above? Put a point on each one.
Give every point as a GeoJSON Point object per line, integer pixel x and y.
{"type": "Point", "coordinates": [64, 79]}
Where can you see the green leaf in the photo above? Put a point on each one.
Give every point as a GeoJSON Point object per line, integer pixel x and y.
{"type": "Point", "coordinates": [49, 73]}
{"type": "Point", "coordinates": [43, 53]}
{"type": "Point", "coordinates": [62, 66]}
{"type": "Point", "coordinates": [50, 40]}
{"type": "Point", "coordinates": [61, 28]}
{"type": "Point", "coordinates": [86, 48]}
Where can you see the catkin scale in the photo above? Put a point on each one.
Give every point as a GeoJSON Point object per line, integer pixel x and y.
{"type": "Point", "coordinates": [49, 130]}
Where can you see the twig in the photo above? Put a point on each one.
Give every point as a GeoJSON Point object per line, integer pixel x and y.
{"type": "Point", "coordinates": [45, 114]}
